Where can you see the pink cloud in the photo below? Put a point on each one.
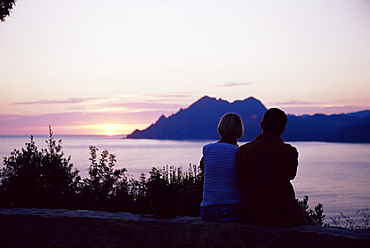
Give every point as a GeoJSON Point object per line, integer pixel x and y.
{"type": "Point", "coordinates": [68, 101]}
{"type": "Point", "coordinates": [233, 84]}
{"type": "Point", "coordinates": [38, 124]}
{"type": "Point", "coordinates": [322, 110]}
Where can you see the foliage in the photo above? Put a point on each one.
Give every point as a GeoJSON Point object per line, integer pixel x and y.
{"type": "Point", "coordinates": [34, 178]}
{"type": "Point", "coordinates": [5, 8]}
{"type": "Point", "coordinates": [45, 179]}
{"type": "Point", "coordinates": [171, 188]}
{"type": "Point", "coordinates": [105, 184]}
{"type": "Point", "coordinates": [317, 213]}
{"type": "Point", "coordinates": [350, 223]}
{"type": "Point", "coordinates": [41, 179]}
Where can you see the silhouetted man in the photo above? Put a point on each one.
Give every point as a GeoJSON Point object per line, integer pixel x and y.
{"type": "Point", "coordinates": [266, 166]}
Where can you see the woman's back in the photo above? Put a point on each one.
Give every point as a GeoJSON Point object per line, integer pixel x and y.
{"type": "Point", "coordinates": [221, 193]}
{"type": "Point", "coordinates": [221, 184]}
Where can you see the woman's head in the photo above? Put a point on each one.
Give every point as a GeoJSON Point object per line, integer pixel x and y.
{"type": "Point", "coordinates": [231, 126]}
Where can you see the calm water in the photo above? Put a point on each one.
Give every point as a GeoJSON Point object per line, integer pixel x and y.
{"type": "Point", "coordinates": [335, 174]}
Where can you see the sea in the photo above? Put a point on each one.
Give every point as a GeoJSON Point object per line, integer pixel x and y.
{"type": "Point", "coordinates": [334, 174]}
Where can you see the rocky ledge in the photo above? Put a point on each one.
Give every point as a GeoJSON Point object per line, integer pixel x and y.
{"type": "Point", "coordinates": [81, 228]}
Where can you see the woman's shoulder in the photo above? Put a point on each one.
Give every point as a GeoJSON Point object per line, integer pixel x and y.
{"type": "Point", "coordinates": [218, 146]}
{"type": "Point", "coordinates": [221, 144]}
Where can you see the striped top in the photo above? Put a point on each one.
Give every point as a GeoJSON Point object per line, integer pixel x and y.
{"type": "Point", "coordinates": [221, 184]}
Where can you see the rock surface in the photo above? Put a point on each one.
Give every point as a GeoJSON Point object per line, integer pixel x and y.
{"type": "Point", "coordinates": [81, 228]}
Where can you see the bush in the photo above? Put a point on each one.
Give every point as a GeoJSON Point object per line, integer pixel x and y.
{"type": "Point", "coordinates": [317, 213]}
{"type": "Point", "coordinates": [106, 188]}
{"type": "Point", "coordinates": [46, 179]}
{"type": "Point", "coordinates": [38, 179]}
{"type": "Point", "coordinates": [170, 190]}
{"type": "Point", "coordinates": [348, 222]}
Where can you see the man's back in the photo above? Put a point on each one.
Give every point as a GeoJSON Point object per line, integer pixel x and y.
{"type": "Point", "coordinates": [266, 167]}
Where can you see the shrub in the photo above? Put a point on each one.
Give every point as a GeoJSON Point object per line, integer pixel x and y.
{"type": "Point", "coordinates": [106, 188]}
{"type": "Point", "coordinates": [347, 222]}
{"type": "Point", "coordinates": [172, 191]}
{"type": "Point", "coordinates": [40, 179]}
{"type": "Point", "coordinates": [46, 179]}
{"type": "Point", "coordinates": [317, 213]}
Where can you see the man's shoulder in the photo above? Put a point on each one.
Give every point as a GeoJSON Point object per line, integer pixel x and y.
{"type": "Point", "coordinates": [267, 144]}
{"type": "Point", "coordinates": [243, 149]}
{"type": "Point", "coordinates": [246, 145]}
{"type": "Point", "coordinates": [288, 150]}
{"type": "Point", "coordinates": [289, 146]}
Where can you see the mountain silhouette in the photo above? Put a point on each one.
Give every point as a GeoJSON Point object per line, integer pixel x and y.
{"type": "Point", "coordinates": [200, 119]}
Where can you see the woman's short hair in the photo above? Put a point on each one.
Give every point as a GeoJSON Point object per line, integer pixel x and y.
{"type": "Point", "coordinates": [231, 126]}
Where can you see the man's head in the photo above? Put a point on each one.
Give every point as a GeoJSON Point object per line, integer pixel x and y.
{"type": "Point", "coordinates": [274, 121]}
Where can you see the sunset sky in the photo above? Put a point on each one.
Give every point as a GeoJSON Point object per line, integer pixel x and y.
{"type": "Point", "coordinates": [113, 66]}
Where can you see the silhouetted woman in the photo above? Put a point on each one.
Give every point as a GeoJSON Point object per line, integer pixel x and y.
{"type": "Point", "coordinates": [221, 196]}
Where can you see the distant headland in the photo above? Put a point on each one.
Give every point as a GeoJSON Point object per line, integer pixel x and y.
{"type": "Point", "coordinates": [200, 119]}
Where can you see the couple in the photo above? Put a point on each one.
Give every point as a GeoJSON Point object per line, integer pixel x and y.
{"type": "Point", "coordinates": [251, 183]}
